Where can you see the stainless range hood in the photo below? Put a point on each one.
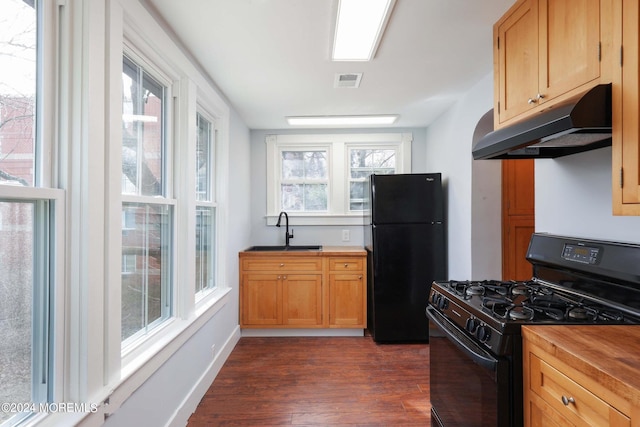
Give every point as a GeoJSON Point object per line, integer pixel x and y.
{"type": "Point", "coordinates": [582, 125]}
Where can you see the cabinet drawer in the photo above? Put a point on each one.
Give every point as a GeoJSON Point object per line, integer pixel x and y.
{"type": "Point", "coordinates": [282, 264]}
{"type": "Point", "coordinates": [345, 264]}
{"type": "Point", "coordinates": [569, 398]}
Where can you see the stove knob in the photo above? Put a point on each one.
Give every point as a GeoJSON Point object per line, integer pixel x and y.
{"type": "Point", "coordinates": [472, 325]}
{"type": "Point", "coordinates": [434, 298]}
{"type": "Point", "coordinates": [443, 303]}
{"type": "Point", "coordinates": [483, 333]}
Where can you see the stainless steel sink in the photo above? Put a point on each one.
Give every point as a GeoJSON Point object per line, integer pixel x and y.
{"type": "Point", "coordinates": [283, 248]}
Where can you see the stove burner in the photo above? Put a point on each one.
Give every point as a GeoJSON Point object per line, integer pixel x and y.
{"type": "Point", "coordinates": [520, 290]}
{"type": "Point", "coordinates": [577, 313]}
{"type": "Point", "coordinates": [530, 301]}
{"type": "Point", "coordinates": [521, 313]}
{"type": "Point", "coordinates": [475, 290]}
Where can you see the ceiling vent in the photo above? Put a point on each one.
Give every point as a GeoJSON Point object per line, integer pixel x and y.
{"type": "Point", "coordinates": [350, 80]}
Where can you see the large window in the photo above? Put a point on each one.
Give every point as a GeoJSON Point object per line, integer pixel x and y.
{"type": "Point", "coordinates": [205, 205]}
{"type": "Point", "coordinates": [321, 179]}
{"type": "Point", "coordinates": [28, 206]}
{"type": "Point", "coordinates": [147, 209]}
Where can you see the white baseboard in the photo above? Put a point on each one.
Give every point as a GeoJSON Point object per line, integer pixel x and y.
{"type": "Point", "coordinates": [303, 332]}
{"type": "Point", "coordinates": [191, 401]}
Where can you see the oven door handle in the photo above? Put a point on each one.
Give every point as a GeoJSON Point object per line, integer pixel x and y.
{"type": "Point", "coordinates": [471, 349]}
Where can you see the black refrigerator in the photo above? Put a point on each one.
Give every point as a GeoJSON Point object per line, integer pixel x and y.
{"type": "Point", "coordinates": [405, 241]}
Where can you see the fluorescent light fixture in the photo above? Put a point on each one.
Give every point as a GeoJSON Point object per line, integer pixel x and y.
{"type": "Point", "coordinates": [342, 120]}
{"type": "Point", "coordinates": [359, 28]}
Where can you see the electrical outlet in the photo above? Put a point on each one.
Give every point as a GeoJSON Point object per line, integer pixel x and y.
{"type": "Point", "coordinates": [345, 236]}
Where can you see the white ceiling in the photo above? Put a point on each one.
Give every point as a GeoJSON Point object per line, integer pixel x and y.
{"type": "Point", "coordinates": [271, 58]}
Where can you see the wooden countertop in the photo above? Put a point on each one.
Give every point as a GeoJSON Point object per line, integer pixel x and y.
{"type": "Point", "coordinates": [608, 354]}
{"type": "Point", "coordinates": [326, 250]}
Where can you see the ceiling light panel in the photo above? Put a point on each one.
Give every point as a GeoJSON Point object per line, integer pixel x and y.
{"type": "Point", "coordinates": [359, 27]}
{"type": "Point", "coordinates": [342, 120]}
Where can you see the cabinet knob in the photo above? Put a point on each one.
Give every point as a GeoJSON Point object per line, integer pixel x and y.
{"type": "Point", "coordinates": [566, 400]}
{"type": "Point", "coordinates": [284, 277]}
{"type": "Point", "coordinates": [282, 264]}
{"type": "Point", "coordinates": [532, 101]}
{"type": "Point", "coordinates": [346, 265]}
{"type": "Point", "coordinates": [540, 96]}
{"type": "Point", "coordinates": [279, 277]}
{"type": "Point", "coordinates": [360, 277]}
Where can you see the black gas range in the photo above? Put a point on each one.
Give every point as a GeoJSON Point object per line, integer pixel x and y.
{"type": "Point", "coordinates": [475, 340]}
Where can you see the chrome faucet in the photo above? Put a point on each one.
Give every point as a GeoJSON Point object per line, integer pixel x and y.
{"type": "Point", "coordinates": [287, 235]}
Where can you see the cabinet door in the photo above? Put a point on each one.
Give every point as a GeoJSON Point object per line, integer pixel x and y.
{"type": "Point", "coordinates": [626, 111]}
{"type": "Point", "coordinates": [346, 300]}
{"type": "Point", "coordinates": [261, 296]}
{"type": "Point", "coordinates": [518, 186]}
{"type": "Point", "coordinates": [516, 61]}
{"type": "Point", "coordinates": [302, 299]}
{"type": "Point", "coordinates": [569, 45]}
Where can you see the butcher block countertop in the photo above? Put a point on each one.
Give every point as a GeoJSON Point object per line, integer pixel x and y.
{"type": "Point", "coordinates": [610, 355]}
{"type": "Point", "coordinates": [326, 250]}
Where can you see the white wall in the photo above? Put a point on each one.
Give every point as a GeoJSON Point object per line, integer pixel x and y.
{"type": "Point", "coordinates": [173, 391]}
{"type": "Point", "coordinates": [261, 234]}
{"type": "Point", "coordinates": [573, 193]}
{"type": "Point", "coordinates": [471, 187]}
{"type": "Point", "coordinates": [573, 198]}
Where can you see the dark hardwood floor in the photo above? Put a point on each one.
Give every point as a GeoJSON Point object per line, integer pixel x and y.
{"type": "Point", "coordinates": [323, 381]}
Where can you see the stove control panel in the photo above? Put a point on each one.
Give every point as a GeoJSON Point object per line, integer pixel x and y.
{"type": "Point", "coordinates": [473, 325]}
{"type": "Point", "coordinates": [581, 253]}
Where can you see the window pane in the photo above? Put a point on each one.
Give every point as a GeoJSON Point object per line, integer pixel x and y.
{"type": "Point", "coordinates": [362, 163]}
{"type": "Point", "coordinates": [304, 197]}
{"type": "Point", "coordinates": [17, 92]}
{"type": "Point", "coordinates": [203, 158]}
{"type": "Point", "coordinates": [304, 165]}
{"type": "Point", "coordinates": [145, 286]}
{"type": "Point", "coordinates": [366, 161]}
{"type": "Point", "coordinates": [16, 301]}
{"type": "Point", "coordinates": [205, 249]}
{"type": "Point", "coordinates": [142, 131]}
{"type": "Point", "coordinates": [356, 196]}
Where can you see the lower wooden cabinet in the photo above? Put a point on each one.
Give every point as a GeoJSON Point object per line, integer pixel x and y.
{"type": "Point", "coordinates": [308, 290]}
{"type": "Point", "coordinates": [282, 299]}
{"type": "Point", "coordinates": [570, 391]}
{"type": "Point", "coordinates": [347, 292]}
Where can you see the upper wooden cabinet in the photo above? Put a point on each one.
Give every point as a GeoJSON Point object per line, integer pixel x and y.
{"type": "Point", "coordinates": [626, 110]}
{"type": "Point", "coordinates": [548, 51]}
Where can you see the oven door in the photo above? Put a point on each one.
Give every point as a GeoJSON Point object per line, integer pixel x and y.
{"type": "Point", "coordinates": [469, 386]}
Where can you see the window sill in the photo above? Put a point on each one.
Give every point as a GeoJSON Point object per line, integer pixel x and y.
{"type": "Point", "coordinates": [168, 338]}
{"type": "Point", "coordinates": [320, 219]}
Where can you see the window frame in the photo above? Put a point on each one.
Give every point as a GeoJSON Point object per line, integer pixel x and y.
{"type": "Point", "coordinates": [138, 342]}
{"type": "Point", "coordinates": [49, 334]}
{"type": "Point", "coordinates": [326, 148]}
{"type": "Point", "coordinates": [210, 204]}
{"type": "Point", "coordinates": [338, 146]}
{"type": "Point", "coordinates": [190, 91]}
